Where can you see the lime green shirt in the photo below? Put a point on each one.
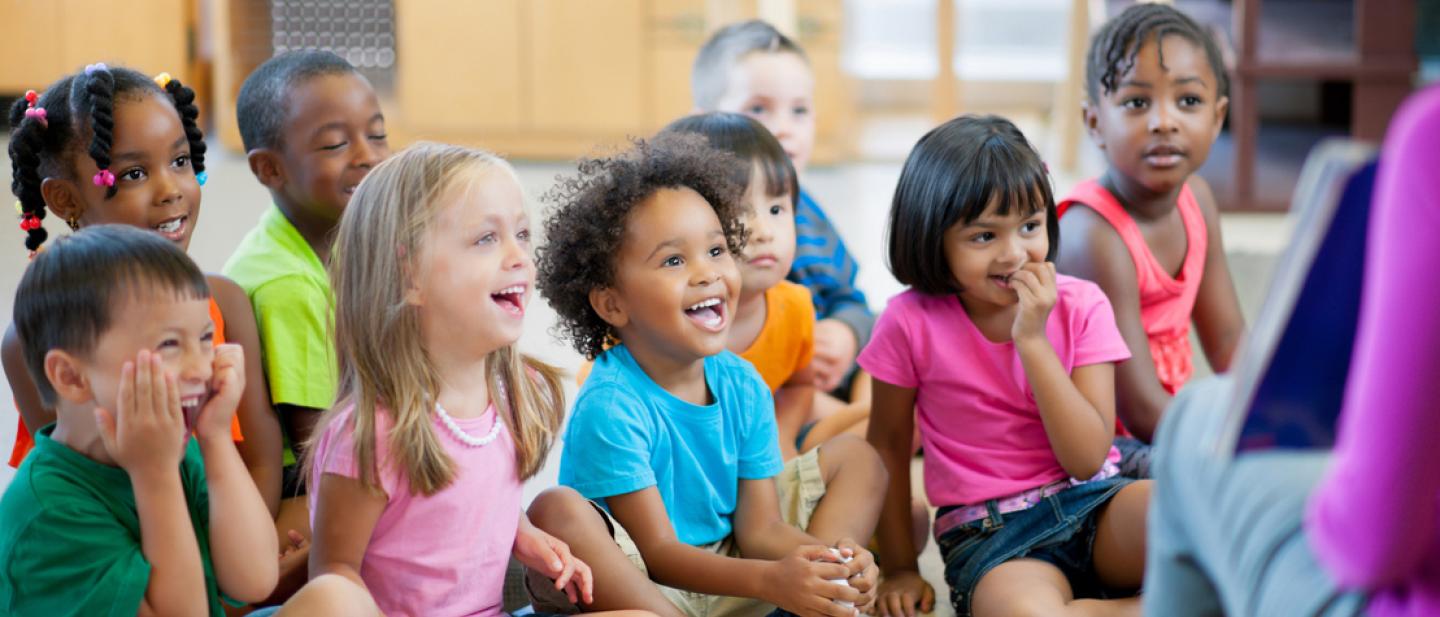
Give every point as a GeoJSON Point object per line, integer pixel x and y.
{"type": "Point", "coordinates": [291, 295]}
{"type": "Point", "coordinates": [70, 535]}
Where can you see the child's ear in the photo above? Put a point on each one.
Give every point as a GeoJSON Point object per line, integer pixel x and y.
{"type": "Point", "coordinates": [265, 164]}
{"type": "Point", "coordinates": [1221, 106]}
{"type": "Point", "coordinates": [67, 377]}
{"type": "Point", "coordinates": [63, 198]}
{"type": "Point", "coordinates": [608, 305]}
{"type": "Point", "coordinates": [1090, 116]}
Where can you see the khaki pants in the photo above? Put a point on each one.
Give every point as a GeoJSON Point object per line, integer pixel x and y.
{"type": "Point", "coordinates": [799, 486]}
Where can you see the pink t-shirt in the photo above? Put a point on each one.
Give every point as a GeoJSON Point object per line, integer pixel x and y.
{"type": "Point", "coordinates": [978, 419]}
{"type": "Point", "coordinates": [444, 554]}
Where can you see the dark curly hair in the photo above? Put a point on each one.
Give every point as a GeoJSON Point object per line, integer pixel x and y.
{"type": "Point", "coordinates": [1112, 49]}
{"type": "Point", "coordinates": [80, 109]}
{"type": "Point", "coordinates": [584, 230]}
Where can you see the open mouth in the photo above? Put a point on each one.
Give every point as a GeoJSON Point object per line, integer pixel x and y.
{"type": "Point", "coordinates": [511, 299]}
{"type": "Point", "coordinates": [173, 229]}
{"type": "Point", "coordinates": [191, 406]}
{"type": "Point", "coordinates": [708, 314]}
{"type": "Point", "coordinates": [1002, 280]}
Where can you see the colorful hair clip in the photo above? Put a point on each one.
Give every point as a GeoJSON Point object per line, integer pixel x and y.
{"type": "Point", "coordinates": [162, 80]}
{"type": "Point", "coordinates": [29, 222]}
{"type": "Point", "coordinates": [98, 66]}
{"type": "Point", "coordinates": [19, 207]}
{"type": "Point", "coordinates": [202, 177]}
{"type": "Point", "coordinates": [104, 178]}
{"type": "Point", "coordinates": [34, 112]}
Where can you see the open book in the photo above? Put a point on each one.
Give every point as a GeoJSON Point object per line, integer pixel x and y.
{"type": "Point", "coordinates": [1289, 379]}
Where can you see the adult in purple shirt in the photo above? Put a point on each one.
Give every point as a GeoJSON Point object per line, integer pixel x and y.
{"type": "Point", "coordinates": [1342, 533]}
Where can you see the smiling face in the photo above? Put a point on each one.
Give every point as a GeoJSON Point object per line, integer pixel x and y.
{"type": "Point", "coordinates": [1157, 127]}
{"type": "Point", "coordinates": [771, 247]}
{"type": "Point", "coordinates": [778, 90]}
{"type": "Point", "coordinates": [676, 282]}
{"type": "Point", "coordinates": [334, 135]}
{"type": "Point", "coordinates": [155, 186]}
{"type": "Point", "coordinates": [175, 328]}
{"type": "Point", "coordinates": [984, 253]}
{"type": "Point", "coordinates": [476, 268]}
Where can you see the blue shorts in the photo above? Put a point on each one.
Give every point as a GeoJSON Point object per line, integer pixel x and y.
{"type": "Point", "coordinates": [1059, 530]}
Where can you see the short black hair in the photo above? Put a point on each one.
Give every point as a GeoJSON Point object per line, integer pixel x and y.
{"type": "Point", "coordinates": [752, 144]}
{"type": "Point", "coordinates": [1113, 48]}
{"type": "Point", "coordinates": [69, 293]}
{"type": "Point", "coordinates": [261, 108]}
{"type": "Point", "coordinates": [80, 108]}
{"type": "Point", "coordinates": [584, 231]}
{"type": "Point", "coordinates": [710, 76]}
{"type": "Point", "coordinates": [951, 176]}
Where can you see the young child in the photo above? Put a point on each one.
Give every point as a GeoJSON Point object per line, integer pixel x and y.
{"type": "Point", "coordinates": [774, 323]}
{"type": "Point", "coordinates": [674, 435]}
{"type": "Point", "coordinates": [1148, 230]}
{"type": "Point", "coordinates": [109, 145]}
{"type": "Point", "coordinates": [117, 510]}
{"type": "Point", "coordinates": [751, 68]}
{"type": "Point", "coordinates": [1009, 370]}
{"type": "Point", "coordinates": [415, 475]}
{"type": "Point", "coordinates": [312, 129]}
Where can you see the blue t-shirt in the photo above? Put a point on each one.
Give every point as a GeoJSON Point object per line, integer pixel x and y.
{"type": "Point", "coordinates": [627, 433]}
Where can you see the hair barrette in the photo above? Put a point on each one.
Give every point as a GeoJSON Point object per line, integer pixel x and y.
{"type": "Point", "coordinates": [104, 178]}
{"type": "Point", "coordinates": [202, 177]}
{"type": "Point", "coordinates": [29, 222]}
{"type": "Point", "coordinates": [98, 66]}
{"type": "Point", "coordinates": [35, 112]}
{"type": "Point", "coordinates": [162, 80]}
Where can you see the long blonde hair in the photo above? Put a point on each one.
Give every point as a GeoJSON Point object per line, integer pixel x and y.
{"type": "Point", "coordinates": [382, 357]}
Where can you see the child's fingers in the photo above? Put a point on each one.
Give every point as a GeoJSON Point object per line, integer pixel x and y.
{"type": "Point", "coordinates": [563, 581]}
{"type": "Point", "coordinates": [174, 411]}
{"type": "Point", "coordinates": [585, 580]}
{"type": "Point", "coordinates": [143, 399]}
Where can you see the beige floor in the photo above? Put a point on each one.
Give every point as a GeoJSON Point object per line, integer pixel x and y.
{"type": "Point", "coordinates": [856, 196]}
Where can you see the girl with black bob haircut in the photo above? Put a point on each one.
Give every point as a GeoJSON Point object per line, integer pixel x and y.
{"type": "Point", "coordinates": [1009, 369]}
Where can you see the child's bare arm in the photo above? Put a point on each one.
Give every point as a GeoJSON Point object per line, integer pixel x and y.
{"type": "Point", "coordinates": [892, 424]}
{"type": "Point", "coordinates": [242, 534]}
{"type": "Point", "coordinates": [145, 435]}
{"type": "Point", "coordinates": [1094, 251]}
{"type": "Point", "coordinates": [299, 421]}
{"type": "Point", "coordinates": [263, 447]}
{"type": "Point", "coordinates": [792, 406]}
{"type": "Point", "coordinates": [759, 530]}
{"type": "Point", "coordinates": [1078, 411]}
{"type": "Point", "coordinates": [797, 583]}
{"type": "Point", "coordinates": [345, 516]}
{"type": "Point", "coordinates": [1218, 320]}
{"type": "Point", "coordinates": [22, 386]}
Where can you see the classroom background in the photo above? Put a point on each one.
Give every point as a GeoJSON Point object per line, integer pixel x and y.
{"type": "Point", "coordinates": [545, 81]}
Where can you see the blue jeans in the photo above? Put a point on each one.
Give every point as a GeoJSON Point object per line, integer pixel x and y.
{"type": "Point", "coordinates": [1059, 530]}
{"type": "Point", "coordinates": [1225, 531]}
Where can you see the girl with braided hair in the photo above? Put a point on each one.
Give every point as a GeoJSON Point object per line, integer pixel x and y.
{"type": "Point", "coordinates": [111, 145]}
{"type": "Point", "coordinates": [1148, 229]}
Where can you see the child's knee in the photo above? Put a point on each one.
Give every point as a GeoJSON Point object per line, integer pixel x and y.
{"type": "Point", "coordinates": [331, 594]}
{"type": "Point", "coordinates": [559, 510]}
{"type": "Point", "coordinates": [855, 458]}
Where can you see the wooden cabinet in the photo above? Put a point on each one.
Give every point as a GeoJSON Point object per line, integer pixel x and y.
{"type": "Point", "coordinates": [553, 79]}
{"type": "Point", "coordinates": [50, 38]}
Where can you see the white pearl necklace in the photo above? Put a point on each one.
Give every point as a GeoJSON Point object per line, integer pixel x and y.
{"type": "Point", "coordinates": [466, 438]}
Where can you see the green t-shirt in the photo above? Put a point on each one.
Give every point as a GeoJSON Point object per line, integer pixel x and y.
{"type": "Point", "coordinates": [70, 535]}
{"type": "Point", "coordinates": [291, 295]}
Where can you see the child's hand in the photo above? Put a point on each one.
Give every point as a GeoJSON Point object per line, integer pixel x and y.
{"type": "Point", "coordinates": [835, 349]}
{"type": "Point", "coordinates": [801, 583]}
{"type": "Point", "coordinates": [146, 433]}
{"type": "Point", "coordinates": [227, 381]}
{"type": "Point", "coordinates": [863, 575]}
{"type": "Point", "coordinates": [901, 592]}
{"type": "Point", "coordinates": [1035, 284]}
{"type": "Point", "coordinates": [545, 553]}
{"type": "Point", "coordinates": [295, 553]}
